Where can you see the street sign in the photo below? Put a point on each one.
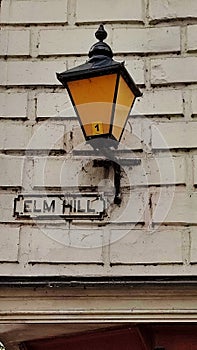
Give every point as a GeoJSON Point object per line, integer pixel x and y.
{"type": "Point", "coordinates": [54, 206]}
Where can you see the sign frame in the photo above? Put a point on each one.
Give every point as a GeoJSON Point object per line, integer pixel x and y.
{"type": "Point", "coordinates": [70, 204]}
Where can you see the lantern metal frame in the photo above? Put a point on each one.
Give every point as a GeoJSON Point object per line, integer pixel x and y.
{"type": "Point", "coordinates": [101, 64]}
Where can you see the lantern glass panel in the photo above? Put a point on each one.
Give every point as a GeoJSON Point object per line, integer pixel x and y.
{"type": "Point", "coordinates": [124, 102]}
{"type": "Point", "coordinates": [93, 100]}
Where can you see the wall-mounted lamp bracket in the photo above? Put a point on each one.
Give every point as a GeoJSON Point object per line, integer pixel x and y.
{"type": "Point", "coordinates": [116, 163]}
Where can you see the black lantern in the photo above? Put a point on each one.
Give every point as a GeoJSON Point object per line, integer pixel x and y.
{"type": "Point", "coordinates": [102, 92]}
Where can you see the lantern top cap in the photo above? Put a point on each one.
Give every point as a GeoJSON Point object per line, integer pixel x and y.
{"type": "Point", "coordinates": [100, 48]}
{"type": "Point", "coordinates": [100, 63]}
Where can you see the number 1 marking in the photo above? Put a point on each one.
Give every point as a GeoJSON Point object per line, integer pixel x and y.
{"type": "Point", "coordinates": [97, 128]}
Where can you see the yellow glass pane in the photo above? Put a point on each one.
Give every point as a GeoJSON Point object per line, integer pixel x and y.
{"type": "Point", "coordinates": [92, 112]}
{"type": "Point", "coordinates": [94, 99]}
{"type": "Point", "coordinates": [124, 101]}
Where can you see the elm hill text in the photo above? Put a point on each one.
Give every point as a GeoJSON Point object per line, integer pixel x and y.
{"type": "Point", "coordinates": [72, 205]}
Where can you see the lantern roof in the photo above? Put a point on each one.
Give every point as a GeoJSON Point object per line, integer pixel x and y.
{"type": "Point", "coordinates": [100, 63]}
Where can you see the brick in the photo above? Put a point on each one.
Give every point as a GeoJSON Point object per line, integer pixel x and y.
{"type": "Point", "coordinates": [54, 105]}
{"type": "Point", "coordinates": [146, 40]}
{"type": "Point", "coordinates": [172, 9]}
{"type": "Point", "coordinates": [141, 129]}
{"type": "Point", "coordinates": [174, 135]}
{"type": "Point", "coordinates": [191, 38]}
{"type": "Point", "coordinates": [74, 138]}
{"type": "Point", "coordinates": [193, 236]}
{"type": "Point", "coordinates": [173, 207]}
{"type": "Point", "coordinates": [13, 105]}
{"type": "Point", "coordinates": [14, 136]}
{"type": "Point", "coordinates": [74, 61]}
{"type": "Point", "coordinates": [142, 247]}
{"type": "Point", "coordinates": [156, 171]}
{"type": "Point", "coordinates": [170, 70]}
{"type": "Point", "coordinates": [8, 177]}
{"type": "Point", "coordinates": [132, 210]}
{"type": "Point", "coordinates": [131, 141]}
{"type": "Point", "coordinates": [159, 102]}
{"type": "Point", "coordinates": [65, 245]}
{"type": "Point", "coordinates": [30, 11]}
{"type": "Point", "coordinates": [31, 73]}
{"type": "Point", "coordinates": [47, 137]}
{"type": "Point", "coordinates": [9, 237]}
{"type": "Point", "coordinates": [7, 207]}
{"type": "Point", "coordinates": [3, 70]}
{"type": "Point", "coordinates": [195, 169]}
{"type": "Point", "coordinates": [69, 173]}
{"type": "Point", "coordinates": [136, 69]}
{"type": "Point", "coordinates": [65, 41]}
{"type": "Point", "coordinates": [194, 101]}
{"type": "Point", "coordinates": [14, 42]}
{"type": "Point", "coordinates": [102, 11]}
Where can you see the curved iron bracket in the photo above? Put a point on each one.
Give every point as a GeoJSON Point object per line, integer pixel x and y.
{"type": "Point", "coordinates": [117, 164]}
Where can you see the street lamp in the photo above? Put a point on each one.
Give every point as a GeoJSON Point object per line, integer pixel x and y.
{"type": "Point", "coordinates": [102, 92]}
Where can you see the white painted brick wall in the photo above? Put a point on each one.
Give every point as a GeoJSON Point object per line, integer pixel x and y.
{"type": "Point", "coordinates": [142, 247]}
{"type": "Point", "coordinates": [131, 141]}
{"type": "Point", "coordinates": [30, 11]}
{"type": "Point", "coordinates": [173, 70]}
{"type": "Point", "coordinates": [9, 237]}
{"type": "Point", "coordinates": [14, 136]}
{"type": "Point", "coordinates": [133, 208]}
{"type": "Point", "coordinates": [172, 9]}
{"type": "Point", "coordinates": [193, 237]}
{"type": "Point", "coordinates": [171, 206]}
{"type": "Point", "coordinates": [191, 38]}
{"type": "Point", "coordinates": [14, 42]}
{"type": "Point", "coordinates": [159, 102]}
{"type": "Point", "coordinates": [157, 171]}
{"type": "Point", "coordinates": [135, 68]}
{"type": "Point", "coordinates": [151, 40]}
{"type": "Point", "coordinates": [54, 105]}
{"type": "Point", "coordinates": [47, 137]}
{"type": "Point", "coordinates": [195, 169]}
{"type": "Point", "coordinates": [174, 135]}
{"type": "Point", "coordinates": [7, 207]}
{"type": "Point", "coordinates": [69, 173]}
{"type": "Point", "coordinates": [194, 101]}
{"type": "Point", "coordinates": [60, 245]}
{"type": "Point", "coordinates": [3, 69]}
{"type": "Point", "coordinates": [65, 41]}
{"type": "Point", "coordinates": [11, 171]}
{"type": "Point", "coordinates": [110, 11]}
{"type": "Point", "coordinates": [42, 37]}
{"type": "Point", "coordinates": [31, 72]}
{"type": "Point", "coordinates": [13, 105]}
{"type": "Point", "coordinates": [75, 61]}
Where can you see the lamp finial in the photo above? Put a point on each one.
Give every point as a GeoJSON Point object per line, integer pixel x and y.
{"type": "Point", "coordinates": [100, 48]}
{"type": "Point", "coordinates": [101, 33]}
